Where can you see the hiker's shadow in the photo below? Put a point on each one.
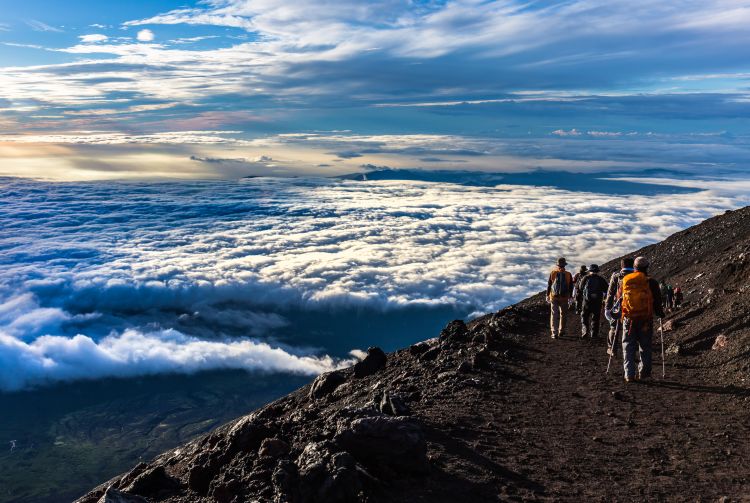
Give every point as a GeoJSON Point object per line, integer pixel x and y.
{"type": "Point", "coordinates": [731, 389]}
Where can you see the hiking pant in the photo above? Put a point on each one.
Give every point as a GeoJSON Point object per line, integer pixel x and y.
{"type": "Point", "coordinates": [614, 330]}
{"type": "Point", "coordinates": [637, 336]}
{"type": "Point", "coordinates": [590, 316]}
{"type": "Point", "coordinates": [559, 306]}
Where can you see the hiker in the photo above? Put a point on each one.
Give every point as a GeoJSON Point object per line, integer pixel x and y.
{"type": "Point", "coordinates": [664, 291]}
{"type": "Point", "coordinates": [678, 298]}
{"type": "Point", "coordinates": [612, 303]}
{"type": "Point", "coordinates": [640, 300]}
{"type": "Point", "coordinates": [590, 297]}
{"type": "Point", "coordinates": [576, 284]}
{"type": "Point", "coordinates": [669, 300]}
{"type": "Point", "coordinates": [559, 292]}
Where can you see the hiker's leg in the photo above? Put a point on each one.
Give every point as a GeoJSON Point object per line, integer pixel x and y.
{"type": "Point", "coordinates": [596, 315]}
{"type": "Point", "coordinates": [646, 335]}
{"type": "Point", "coordinates": [629, 347]}
{"type": "Point", "coordinates": [563, 315]}
{"type": "Point", "coordinates": [554, 317]}
{"type": "Point", "coordinates": [585, 316]}
{"type": "Point", "coordinates": [612, 336]}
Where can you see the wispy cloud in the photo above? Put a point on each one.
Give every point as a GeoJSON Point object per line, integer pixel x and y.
{"type": "Point", "coordinates": [41, 26]}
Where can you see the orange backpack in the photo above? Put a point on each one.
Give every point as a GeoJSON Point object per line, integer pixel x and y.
{"type": "Point", "coordinates": [637, 299]}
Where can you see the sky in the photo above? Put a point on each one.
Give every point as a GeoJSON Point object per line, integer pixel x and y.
{"type": "Point", "coordinates": [228, 88]}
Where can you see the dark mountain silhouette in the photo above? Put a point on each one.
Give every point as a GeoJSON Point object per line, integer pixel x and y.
{"type": "Point", "coordinates": [494, 410]}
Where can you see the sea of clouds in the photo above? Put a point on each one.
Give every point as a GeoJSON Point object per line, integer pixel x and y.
{"type": "Point", "coordinates": [120, 279]}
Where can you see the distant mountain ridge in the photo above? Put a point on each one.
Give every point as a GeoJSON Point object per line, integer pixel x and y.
{"type": "Point", "coordinates": [496, 410]}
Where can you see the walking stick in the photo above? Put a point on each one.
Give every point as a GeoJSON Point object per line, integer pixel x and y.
{"type": "Point", "coordinates": [663, 365]}
{"type": "Point", "coordinates": [612, 347]}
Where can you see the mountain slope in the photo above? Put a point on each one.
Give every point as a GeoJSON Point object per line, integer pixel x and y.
{"type": "Point", "coordinates": [495, 410]}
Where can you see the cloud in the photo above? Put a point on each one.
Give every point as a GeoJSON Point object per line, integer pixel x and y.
{"type": "Point", "coordinates": [54, 358]}
{"type": "Point", "coordinates": [145, 35]}
{"type": "Point", "coordinates": [93, 38]}
{"type": "Point", "coordinates": [40, 26]}
{"type": "Point", "coordinates": [131, 278]}
{"type": "Point", "coordinates": [562, 132]}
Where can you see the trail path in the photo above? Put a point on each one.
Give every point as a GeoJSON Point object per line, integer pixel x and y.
{"type": "Point", "coordinates": [571, 432]}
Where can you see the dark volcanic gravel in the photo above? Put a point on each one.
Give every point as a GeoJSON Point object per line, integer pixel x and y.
{"type": "Point", "coordinates": [497, 411]}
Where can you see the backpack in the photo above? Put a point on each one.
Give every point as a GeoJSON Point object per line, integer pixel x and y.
{"type": "Point", "coordinates": [594, 288]}
{"type": "Point", "coordinates": [637, 299]}
{"type": "Point", "coordinates": [561, 284]}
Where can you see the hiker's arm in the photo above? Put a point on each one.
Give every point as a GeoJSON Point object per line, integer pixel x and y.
{"type": "Point", "coordinates": [549, 285]}
{"type": "Point", "coordinates": [570, 285]}
{"type": "Point", "coordinates": [610, 301]}
{"type": "Point", "coordinates": [579, 289]}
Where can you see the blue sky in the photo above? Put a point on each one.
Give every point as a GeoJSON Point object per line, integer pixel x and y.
{"type": "Point", "coordinates": [143, 88]}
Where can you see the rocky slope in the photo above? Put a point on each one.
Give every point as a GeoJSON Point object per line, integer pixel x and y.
{"type": "Point", "coordinates": [495, 410]}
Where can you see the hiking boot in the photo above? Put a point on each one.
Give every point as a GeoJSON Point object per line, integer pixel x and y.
{"type": "Point", "coordinates": [643, 377]}
{"type": "Point", "coordinates": [611, 351]}
{"type": "Point", "coordinates": [628, 380]}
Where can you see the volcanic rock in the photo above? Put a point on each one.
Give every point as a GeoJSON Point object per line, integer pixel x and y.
{"type": "Point", "coordinates": [374, 361]}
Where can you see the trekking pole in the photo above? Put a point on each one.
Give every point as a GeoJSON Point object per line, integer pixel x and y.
{"type": "Point", "coordinates": [612, 347]}
{"type": "Point", "coordinates": [663, 364]}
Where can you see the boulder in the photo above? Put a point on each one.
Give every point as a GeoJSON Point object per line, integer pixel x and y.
{"type": "Point", "coordinates": [393, 405]}
{"type": "Point", "coordinates": [374, 361]}
{"type": "Point", "coordinates": [453, 333]}
{"type": "Point", "coordinates": [430, 355]}
{"type": "Point", "coordinates": [720, 342]}
{"type": "Point", "coordinates": [419, 348]}
{"type": "Point", "coordinates": [328, 475]}
{"type": "Point", "coordinates": [385, 444]}
{"type": "Point", "coordinates": [273, 448]}
{"type": "Point", "coordinates": [326, 383]}
{"type": "Point", "coordinates": [150, 482]}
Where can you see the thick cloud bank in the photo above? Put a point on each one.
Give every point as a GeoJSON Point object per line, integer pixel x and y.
{"type": "Point", "coordinates": [120, 279]}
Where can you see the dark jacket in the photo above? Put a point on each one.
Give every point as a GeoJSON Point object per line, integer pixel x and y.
{"type": "Point", "coordinates": [595, 283]}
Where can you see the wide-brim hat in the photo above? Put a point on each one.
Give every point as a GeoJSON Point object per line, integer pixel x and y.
{"type": "Point", "coordinates": [594, 268]}
{"type": "Point", "coordinates": [562, 262]}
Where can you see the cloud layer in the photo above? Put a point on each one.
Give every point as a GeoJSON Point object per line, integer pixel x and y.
{"type": "Point", "coordinates": [128, 278]}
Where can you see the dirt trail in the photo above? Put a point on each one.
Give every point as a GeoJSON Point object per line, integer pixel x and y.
{"type": "Point", "coordinates": [585, 435]}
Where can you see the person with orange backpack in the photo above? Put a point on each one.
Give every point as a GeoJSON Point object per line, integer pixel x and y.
{"type": "Point", "coordinates": [640, 301]}
{"type": "Point", "coordinates": [559, 292]}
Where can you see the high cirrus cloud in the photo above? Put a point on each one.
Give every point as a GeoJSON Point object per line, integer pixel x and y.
{"type": "Point", "coordinates": [124, 279]}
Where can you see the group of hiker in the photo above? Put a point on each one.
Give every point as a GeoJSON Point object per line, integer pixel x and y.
{"type": "Point", "coordinates": [631, 300]}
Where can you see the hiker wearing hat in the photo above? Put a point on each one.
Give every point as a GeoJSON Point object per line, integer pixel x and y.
{"type": "Point", "coordinates": [559, 292]}
{"type": "Point", "coordinates": [576, 286]}
{"type": "Point", "coordinates": [641, 301]}
{"type": "Point", "coordinates": [591, 293]}
{"type": "Point", "coordinates": [612, 303]}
